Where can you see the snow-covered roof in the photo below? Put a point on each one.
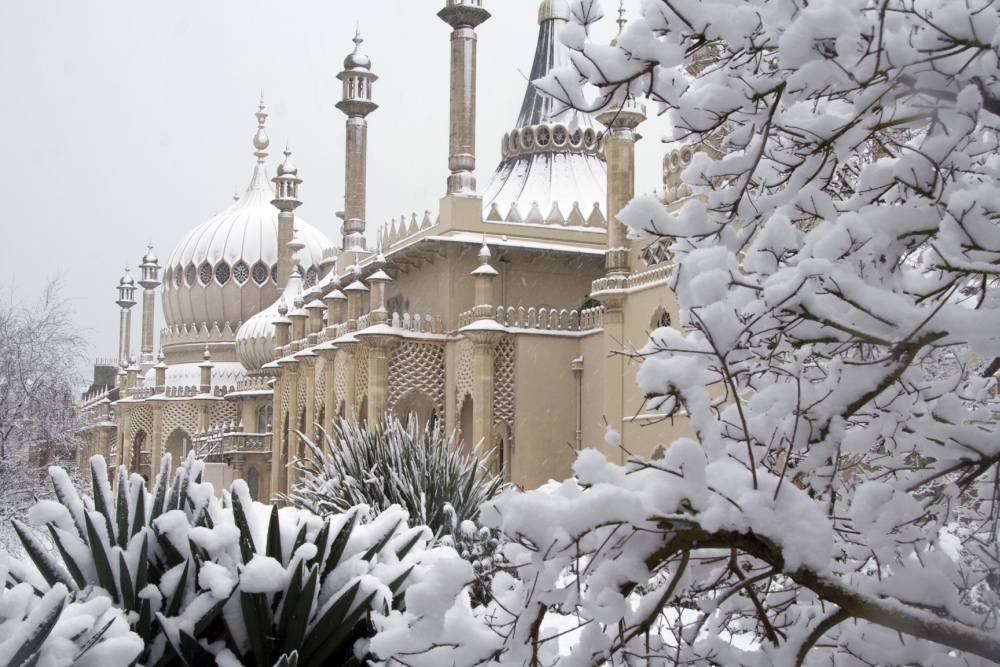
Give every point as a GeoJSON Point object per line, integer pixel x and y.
{"type": "Point", "coordinates": [554, 156]}
{"type": "Point", "coordinates": [224, 374]}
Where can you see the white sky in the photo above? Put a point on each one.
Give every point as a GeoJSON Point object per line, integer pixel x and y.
{"type": "Point", "coordinates": [124, 122]}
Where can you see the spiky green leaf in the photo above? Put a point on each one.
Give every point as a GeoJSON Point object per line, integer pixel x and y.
{"type": "Point", "coordinates": [105, 577]}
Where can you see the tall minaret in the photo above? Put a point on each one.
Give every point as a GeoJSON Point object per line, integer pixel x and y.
{"type": "Point", "coordinates": [463, 16]}
{"type": "Point", "coordinates": [286, 200]}
{"type": "Point", "coordinates": [356, 105]}
{"type": "Point", "coordinates": [126, 299]}
{"type": "Point", "coordinates": [149, 280]}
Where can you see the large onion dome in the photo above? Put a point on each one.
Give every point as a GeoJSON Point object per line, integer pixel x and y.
{"type": "Point", "coordinates": [225, 270]}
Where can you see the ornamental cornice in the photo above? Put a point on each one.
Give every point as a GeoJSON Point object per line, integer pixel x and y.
{"type": "Point", "coordinates": [551, 138]}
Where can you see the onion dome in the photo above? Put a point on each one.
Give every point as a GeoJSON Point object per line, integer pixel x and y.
{"type": "Point", "coordinates": [126, 279]}
{"type": "Point", "coordinates": [257, 338]}
{"type": "Point", "coordinates": [357, 60]}
{"type": "Point", "coordinates": [553, 169]}
{"type": "Point", "coordinates": [225, 270]}
{"type": "Point", "coordinates": [286, 168]}
{"type": "Point", "coordinates": [149, 257]}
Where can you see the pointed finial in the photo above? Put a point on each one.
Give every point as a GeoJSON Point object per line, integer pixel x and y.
{"type": "Point", "coordinates": [207, 355]}
{"type": "Point", "coordinates": [260, 140]}
{"type": "Point", "coordinates": [236, 194]}
{"type": "Point", "coordinates": [620, 21]}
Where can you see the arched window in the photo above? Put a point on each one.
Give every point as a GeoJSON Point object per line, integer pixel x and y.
{"type": "Point", "coordinates": [265, 414]}
{"type": "Point", "coordinates": [138, 445]}
{"type": "Point", "coordinates": [222, 273]}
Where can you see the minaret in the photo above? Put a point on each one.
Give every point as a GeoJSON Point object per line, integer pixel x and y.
{"type": "Point", "coordinates": [149, 280]}
{"type": "Point", "coordinates": [126, 299]}
{"type": "Point", "coordinates": [463, 16]}
{"type": "Point", "coordinates": [286, 200]}
{"type": "Point", "coordinates": [356, 105]}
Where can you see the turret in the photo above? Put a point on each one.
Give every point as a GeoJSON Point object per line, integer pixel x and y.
{"type": "Point", "coordinates": [463, 16]}
{"type": "Point", "coordinates": [356, 103]}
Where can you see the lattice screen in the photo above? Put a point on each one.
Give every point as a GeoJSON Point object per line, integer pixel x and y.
{"type": "Point", "coordinates": [417, 366]}
{"type": "Point", "coordinates": [503, 382]}
{"type": "Point", "coordinates": [320, 385]}
{"type": "Point", "coordinates": [142, 418]}
{"type": "Point", "coordinates": [223, 413]}
{"type": "Point", "coordinates": [340, 378]}
{"type": "Point", "coordinates": [463, 375]}
{"type": "Point", "coordinates": [182, 415]}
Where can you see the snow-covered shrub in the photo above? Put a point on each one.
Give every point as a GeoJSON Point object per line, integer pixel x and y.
{"type": "Point", "coordinates": [56, 629]}
{"type": "Point", "coordinates": [201, 579]}
{"type": "Point", "coordinates": [389, 463]}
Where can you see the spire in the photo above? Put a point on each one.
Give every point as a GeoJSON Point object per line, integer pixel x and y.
{"type": "Point", "coordinates": [260, 140]}
{"type": "Point", "coordinates": [554, 155]}
{"type": "Point", "coordinates": [620, 21]}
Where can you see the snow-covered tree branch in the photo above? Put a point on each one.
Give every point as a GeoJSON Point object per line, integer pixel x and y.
{"type": "Point", "coordinates": [837, 274]}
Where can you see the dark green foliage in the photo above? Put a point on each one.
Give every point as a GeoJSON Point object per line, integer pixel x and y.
{"type": "Point", "coordinates": [422, 471]}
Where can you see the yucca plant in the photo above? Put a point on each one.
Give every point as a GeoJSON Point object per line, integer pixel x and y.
{"type": "Point", "coordinates": [422, 471]}
{"type": "Point", "coordinates": [199, 577]}
{"type": "Point", "coordinates": [389, 463]}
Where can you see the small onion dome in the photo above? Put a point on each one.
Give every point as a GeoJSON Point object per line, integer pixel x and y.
{"type": "Point", "coordinates": [286, 168]}
{"type": "Point", "coordinates": [149, 257]}
{"type": "Point", "coordinates": [256, 338]}
{"type": "Point", "coordinates": [357, 60]}
{"type": "Point", "coordinates": [127, 279]}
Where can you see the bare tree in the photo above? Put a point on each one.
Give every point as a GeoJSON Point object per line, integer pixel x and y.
{"type": "Point", "coordinates": [42, 353]}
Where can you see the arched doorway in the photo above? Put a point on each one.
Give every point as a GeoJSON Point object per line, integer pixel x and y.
{"type": "Point", "coordinates": [265, 414]}
{"type": "Point", "coordinates": [178, 445]}
{"type": "Point", "coordinates": [138, 446]}
{"type": "Point", "coordinates": [418, 405]}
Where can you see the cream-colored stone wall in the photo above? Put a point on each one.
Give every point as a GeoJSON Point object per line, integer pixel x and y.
{"type": "Point", "coordinates": [544, 409]}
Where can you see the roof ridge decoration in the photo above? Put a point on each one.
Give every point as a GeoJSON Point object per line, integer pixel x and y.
{"type": "Point", "coordinates": [553, 154]}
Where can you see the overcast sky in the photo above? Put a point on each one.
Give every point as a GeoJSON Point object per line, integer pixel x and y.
{"type": "Point", "coordinates": [126, 122]}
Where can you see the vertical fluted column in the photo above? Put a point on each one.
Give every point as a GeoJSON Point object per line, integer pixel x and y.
{"type": "Point", "coordinates": [150, 280]}
{"type": "Point", "coordinates": [463, 16]}
{"type": "Point", "coordinates": [126, 299]}
{"type": "Point", "coordinates": [619, 147]}
{"type": "Point", "coordinates": [124, 332]}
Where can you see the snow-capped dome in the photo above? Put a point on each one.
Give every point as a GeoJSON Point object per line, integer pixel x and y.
{"type": "Point", "coordinates": [256, 338]}
{"type": "Point", "coordinates": [225, 270]}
